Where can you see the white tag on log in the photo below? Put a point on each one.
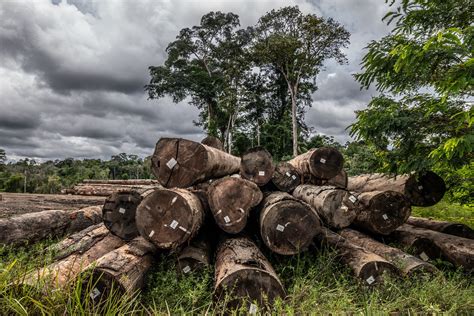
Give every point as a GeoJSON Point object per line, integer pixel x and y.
{"type": "Point", "coordinates": [293, 177]}
{"type": "Point", "coordinates": [385, 217]}
{"type": "Point", "coordinates": [174, 200]}
{"type": "Point", "coordinates": [352, 198]}
{"type": "Point", "coordinates": [226, 219]}
{"type": "Point", "coordinates": [420, 187]}
{"type": "Point", "coordinates": [95, 292]}
{"type": "Point", "coordinates": [174, 224]}
{"type": "Point", "coordinates": [151, 233]}
{"type": "Point", "coordinates": [171, 163]}
{"type": "Point", "coordinates": [423, 256]}
{"type": "Point", "coordinates": [253, 309]}
{"type": "Point", "coordinates": [370, 280]}
{"type": "Point", "coordinates": [186, 269]}
{"type": "Point", "coordinates": [261, 173]}
{"type": "Point", "coordinates": [322, 160]}
{"type": "Point", "coordinates": [121, 210]}
{"type": "Point", "coordinates": [280, 227]}
{"type": "Point", "coordinates": [288, 174]}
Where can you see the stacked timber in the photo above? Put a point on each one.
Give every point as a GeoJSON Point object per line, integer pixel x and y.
{"type": "Point", "coordinates": [107, 187]}
{"type": "Point", "coordinates": [456, 229]}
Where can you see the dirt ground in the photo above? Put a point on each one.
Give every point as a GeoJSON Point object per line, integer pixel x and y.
{"type": "Point", "coordinates": [19, 203]}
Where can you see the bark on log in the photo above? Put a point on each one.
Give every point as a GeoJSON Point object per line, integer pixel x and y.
{"type": "Point", "coordinates": [419, 246]}
{"type": "Point", "coordinates": [107, 189]}
{"type": "Point", "coordinates": [231, 200]}
{"type": "Point", "coordinates": [322, 163]}
{"type": "Point", "coordinates": [423, 190]}
{"type": "Point", "coordinates": [381, 212]}
{"type": "Point", "coordinates": [121, 182]}
{"type": "Point", "coordinates": [366, 265]}
{"type": "Point", "coordinates": [180, 163]}
{"type": "Point", "coordinates": [33, 227]}
{"type": "Point", "coordinates": [194, 257]}
{"type": "Point", "coordinates": [257, 166]}
{"type": "Point", "coordinates": [119, 212]}
{"type": "Point", "coordinates": [120, 271]}
{"type": "Point", "coordinates": [286, 178]}
{"type": "Point", "coordinates": [457, 250]}
{"type": "Point", "coordinates": [455, 229]}
{"type": "Point", "coordinates": [214, 142]}
{"type": "Point", "coordinates": [287, 225]}
{"type": "Point", "coordinates": [407, 264]}
{"type": "Point", "coordinates": [336, 207]}
{"type": "Point", "coordinates": [243, 273]}
{"type": "Point", "coordinates": [339, 181]}
{"type": "Point", "coordinates": [169, 217]}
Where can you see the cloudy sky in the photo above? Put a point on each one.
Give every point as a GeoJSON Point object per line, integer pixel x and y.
{"type": "Point", "coordinates": [72, 72]}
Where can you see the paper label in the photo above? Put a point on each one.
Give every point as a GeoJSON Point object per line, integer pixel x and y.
{"type": "Point", "coordinates": [293, 177]}
{"type": "Point", "coordinates": [174, 224]}
{"type": "Point", "coordinates": [423, 256]}
{"type": "Point", "coordinates": [226, 219]}
{"type": "Point", "coordinates": [370, 280]}
{"type": "Point", "coordinates": [218, 212]}
{"type": "Point", "coordinates": [186, 269]}
{"type": "Point", "coordinates": [121, 210]}
{"type": "Point", "coordinates": [280, 227]}
{"type": "Point", "coordinates": [420, 187]}
{"type": "Point", "coordinates": [253, 309]}
{"type": "Point", "coordinates": [171, 163]}
{"type": "Point", "coordinates": [385, 217]}
{"type": "Point", "coordinates": [322, 160]}
{"type": "Point", "coordinates": [151, 233]}
{"type": "Point", "coordinates": [288, 174]}
{"type": "Point", "coordinates": [95, 292]}
{"type": "Point", "coordinates": [261, 173]}
{"type": "Point", "coordinates": [352, 198]}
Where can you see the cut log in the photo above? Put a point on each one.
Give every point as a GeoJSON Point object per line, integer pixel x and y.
{"type": "Point", "coordinates": [72, 255]}
{"type": "Point", "coordinates": [119, 212]}
{"type": "Point", "coordinates": [231, 200]}
{"type": "Point", "coordinates": [457, 250]}
{"type": "Point", "coordinates": [169, 217]}
{"type": "Point", "coordinates": [180, 163]}
{"type": "Point", "coordinates": [244, 274]}
{"type": "Point", "coordinates": [194, 257]}
{"type": "Point", "coordinates": [33, 227]}
{"type": "Point", "coordinates": [339, 181]}
{"type": "Point", "coordinates": [381, 212]}
{"type": "Point", "coordinates": [120, 271]}
{"type": "Point", "coordinates": [423, 190]}
{"type": "Point", "coordinates": [122, 182]}
{"type": "Point", "coordinates": [421, 247]}
{"type": "Point", "coordinates": [366, 265]}
{"type": "Point", "coordinates": [336, 207]}
{"type": "Point", "coordinates": [322, 163]}
{"type": "Point", "coordinates": [287, 225]}
{"type": "Point", "coordinates": [407, 264]}
{"type": "Point", "coordinates": [257, 166]}
{"type": "Point", "coordinates": [456, 229]}
{"type": "Point", "coordinates": [107, 189]}
{"type": "Point", "coordinates": [286, 178]}
{"type": "Point", "coordinates": [212, 141]}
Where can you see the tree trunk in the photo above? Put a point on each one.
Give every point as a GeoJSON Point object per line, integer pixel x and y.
{"type": "Point", "coordinates": [339, 181]}
{"type": "Point", "coordinates": [336, 207]}
{"type": "Point", "coordinates": [455, 229]}
{"type": "Point", "coordinates": [119, 212]}
{"type": "Point", "coordinates": [213, 142]}
{"type": "Point", "coordinates": [286, 178]}
{"type": "Point", "coordinates": [424, 190]}
{"type": "Point", "coordinates": [73, 254]}
{"type": "Point", "coordinates": [243, 273]}
{"type": "Point", "coordinates": [457, 250]}
{"type": "Point", "coordinates": [33, 227]}
{"type": "Point", "coordinates": [258, 133]}
{"type": "Point", "coordinates": [381, 212]}
{"type": "Point", "coordinates": [179, 162]}
{"type": "Point", "coordinates": [407, 264]}
{"type": "Point", "coordinates": [321, 163]}
{"type": "Point", "coordinates": [121, 182]}
{"type": "Point", "coordinates": [169, 217]}
{"type": "Point", "coordinates": [294, 123]}
{"type": "Point", "coordinates": [195, 256]}
{"type": "Point", "coordinates": [287, 225]}
{"type": "Point", "coordinates": [122, 270]}
{"type": "Point", "coordinates": [366, 265]}
{"type": "Point", "coordinates": [257, 166]}
{"type": "Point", "coordinates": [230, 200]}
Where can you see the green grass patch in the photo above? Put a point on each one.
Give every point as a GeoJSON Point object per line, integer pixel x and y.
{"type": "Point", "coordinates": [444, 210]}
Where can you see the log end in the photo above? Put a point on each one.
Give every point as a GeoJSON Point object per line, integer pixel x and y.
{"type": "Point", "coordinates": [257, 166]}
{"type": "Point", "coordinates": [374, 272]}
{"type": "Point", "coordinates": [98, 285]}
{"type": "Point", "coordinates": [286, 178]}
{"type": "Point", "coordinates": [425, 190]}
{"type": "Point", "coordinates": [326, 162]}
{"type": "Point", "coordinates": [459, 230]}
{"type": "Point", "coordinates": [118, 214]}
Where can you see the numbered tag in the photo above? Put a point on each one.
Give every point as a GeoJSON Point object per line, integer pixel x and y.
{"type": "Point", "coordinates": [151, 233]}
{"type": "Point", "coordinates": [280, 227]}
{"type": "Point", "coordinates": [288, 174]}
{"type": "Point", "coordinates": [174, 224]}
{"type": "Point", "coordinates": [253, 309]}
{"type": "Point", "coordinates": [261, 173]}
{"type": "Point", "coordinates": [423, 256]}
{"type": "Point", "coordinates": [293, 177]}
{"type": "Point", "coordinates": [322, 160]}
{"type": "Point", "coordinates": [352, 198]}
{"type": "Point", "coordinates": [420, 187]}
{"type": "Point", "coordinates": [385, 217]}
{"type": "Point", "coordinates": [226, 219]}
{"type": "Point", "coordinates": [121, 210]}
{"type": "Point", "coordinates": [370, 280]}
{"type": "Point", "coordinates": [171, 163]}
{"type": "Point", "coordinates": [95, 292]}
{"type": "Point", "coordinates": [186, 269]}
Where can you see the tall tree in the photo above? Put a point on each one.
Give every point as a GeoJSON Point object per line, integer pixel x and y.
{"type": "Point", "coordinates": [3, 158]}
{"type": "Point", "coordinates": [296, 45]}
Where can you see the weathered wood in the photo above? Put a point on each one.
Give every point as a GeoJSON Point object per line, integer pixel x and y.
{"type": "Point", "coordinates": [366, 265]}
{"type": "Point", "coordinates": [33, 227]}
{"type": "Point", "coordinates": [419, 246]}
{"type": "Point", "coordinates": [287, 225]}
{"type": "Point", "coordinates": [322, 163]}
{"type": "Point", "coordinates": [122, 271]}
{"type": "Point", "coordinates": [243, 273]}
{"type": "Point", "coordinates": [421, 190]}
{"type": "Point", "coordinates": [230, 200]}
{"type": "Point", "coordinates": [121, 182]}
{"type": "Point", "coordinates": [169, 217]}
{"type": "Point", "coordinates": [336, 207]}
{"type": "Point", "coordinates": [212, 141]}
{"type": "Point", "coordinates": [106, 189]}
{"type": "Point", "coordinates": [196, 256]}
{"type": "Point", "coordinates": [339, 181]}
{"type": "Point", "coordinates": [450, 228]}
{"type": "Point", "coordinates": [257, 166]}
{"type": "Point", "coordinates": [286, 178]}
{"type": "Point", "coordinates": [381, 212]}
{"type": "Point", "coordinates": [180, 163]}
{"type": "Point", "coordinates": [407, 264]}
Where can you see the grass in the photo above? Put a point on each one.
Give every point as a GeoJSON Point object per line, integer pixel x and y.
{"type": "Point", "coordinates": [315, 282]}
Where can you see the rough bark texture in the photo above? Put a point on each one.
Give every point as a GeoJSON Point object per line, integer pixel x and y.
{"type": "Point", "coordinates": [423, 190]}
{"type": "Point", "coordinates": [286, 178]}
{"type": "Point", "coordinates": [195, 256]}
{"type": "Point", "coordinates": [180, 163]}
{"type": "Point", "coordinates": [422, 247]}
{"type": "Point", "coordinates": [456, 229]}
{"type": "Point", "coordinates": [231, 200]}
{"type": "Point", "coordinates": [322, 163]}
{"type": "Point", "coordinates": [119, 212]}
{"type": "Point", "coordinates": [339, 181]}
{"type": "Point", "coordinates": [287, 225]}
{"type": "Point", "coordinates": [381, 212]}
{"type": "Point", "coordinates": [257, 166]}
{"type": "Point", "coordinates": [214, 142]}
{"type": "Point", "coordinates": [336, 207]}
{"type": "Point", "coordinates": [122, 270]}
{"type": "Point", "coordinates": [122, 182]}
{"type": "Point", "coordinates": [33, 227]}
{"type": "Point", "coordinates": [243, 273]}
{"type": "Point", "coordinates": [93, 189]}
{"type": "Point", "coordinates": [169, 217]}
{"type": "Point", "coordinates": [366, 265]}
{"type": "Point", "coordinates": [407, 264]}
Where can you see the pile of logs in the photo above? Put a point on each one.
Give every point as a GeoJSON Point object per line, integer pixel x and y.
{"type": "Point", "coordinates": [107, 187]}
{"type": "Point", "coordinates": [213, 210]}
